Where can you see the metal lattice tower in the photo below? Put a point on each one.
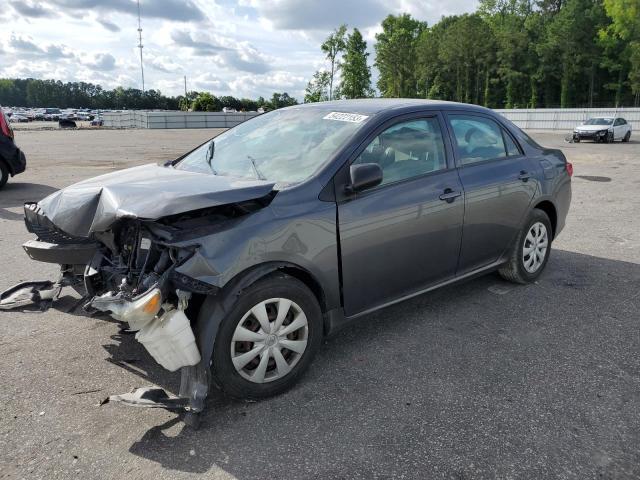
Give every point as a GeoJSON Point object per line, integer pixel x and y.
{"type": "Point", "coordinates": [140, 46]}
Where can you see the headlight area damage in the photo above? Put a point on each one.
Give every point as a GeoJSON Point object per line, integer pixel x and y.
{"type": "Point", "coordinates": [138, 272]}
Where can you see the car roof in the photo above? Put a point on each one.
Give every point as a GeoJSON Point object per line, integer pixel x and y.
{"type": "Point", "coordinates": [372, 106]}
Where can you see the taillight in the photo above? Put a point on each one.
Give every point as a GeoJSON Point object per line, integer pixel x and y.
{"type": "Point", "coordinates": [4, 125]}
{"type": "Point", "coordinates": [570, 168]}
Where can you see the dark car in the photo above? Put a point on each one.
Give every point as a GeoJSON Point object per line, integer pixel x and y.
{"type": "Point", "coordinates": [239, 257]}
{"type": "Point", "coordinates": [12, 160]}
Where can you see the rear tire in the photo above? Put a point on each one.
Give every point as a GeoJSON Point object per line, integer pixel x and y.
{"type": "Point", "coordinates": [242, 333]}
{"type": "Point", "coordinates": [531, 250]}
{"type": "Point", "coordinates": [626, 137]}
{"type": "Point", "coordinates": [4, 174]}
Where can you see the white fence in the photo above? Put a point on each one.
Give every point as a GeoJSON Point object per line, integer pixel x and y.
{"type": "Point", "coordinates": [174, 119]}
{"type": "Point", "coordinates": [566, 118]}
{"type": "Point", "coordinates": [532, 119]}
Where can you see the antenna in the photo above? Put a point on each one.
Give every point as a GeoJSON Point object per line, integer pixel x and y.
{"type": "Point", "coordinates": [140, 46]}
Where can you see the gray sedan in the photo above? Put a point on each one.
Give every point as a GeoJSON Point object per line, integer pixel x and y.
{"type": "Point", "coordinates": [234, 261]}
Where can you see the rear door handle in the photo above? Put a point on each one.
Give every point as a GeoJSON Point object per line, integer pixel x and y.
{"type": "Point", "coordinates": [449, 195]}
{"type": "Point", "coordinates": [524, 176]}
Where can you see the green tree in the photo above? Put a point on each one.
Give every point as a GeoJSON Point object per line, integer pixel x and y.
{"type": "Point", "coordinates": [356, 74]}
{"type": "Point", "coordinates": [205, 102]}
{"type": "Point", "coordinates": [333, 46]}
{"type": "Point", "coordinates": [625, 27]}
{"type": "Point", "coordinates": [396, 54]}
{"type": "Point", "coordinates": [281, 100]}
{"type": "Point", "coordinates": [318, 88]}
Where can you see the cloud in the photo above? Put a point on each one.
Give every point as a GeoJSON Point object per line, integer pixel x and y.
{"type": "Point", "coordinates": [202, 46]}
{"type": "Point", "coordinates": [329, 14]}
{"type": "Point", "coordinates": [26, 46]}
{"type": "Point", "coordinates": [248, 85]}
{"type": "Point", "coordinates": [178, 10]}
{"type": "Point", "coordinates": [112, 27]}
{"type": "Point", "coordinates": [31, 9]}
{"type": "Point", "coordinates": [224, 52]}
{"type": "Point", "coordinates": [318, 15]}
{"type": "Point", "coordinates": [162, 63]}
{"type": "Point", "coordinates": [211, 82]}
{"type": "Point", "coordinates": [103, 62]}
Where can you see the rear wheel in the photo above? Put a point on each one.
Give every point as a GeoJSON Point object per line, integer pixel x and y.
{"type": "Point", "coordinates": [4, 174]}
{"type": "Point", "coordinates": [268, 339]}
{"type": "Point", "coordinates": [627, 137]}
{"type": "Point", "coordinates": [531, 250]}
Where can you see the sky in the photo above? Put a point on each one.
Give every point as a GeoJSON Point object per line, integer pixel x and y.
{"type": "Point", "coordinates": [244, 48]}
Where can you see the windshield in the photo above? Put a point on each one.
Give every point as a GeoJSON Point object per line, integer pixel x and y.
{"type": "Point", "coordinates": [284, 146]}
{"type": "Point", "coordinates": [599, 121]}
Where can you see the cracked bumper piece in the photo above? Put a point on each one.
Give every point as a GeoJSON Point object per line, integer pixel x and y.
{"type": "Point", "coordinates": [148, 397]}
{"type": "Point", "coordinates": [65, 254]}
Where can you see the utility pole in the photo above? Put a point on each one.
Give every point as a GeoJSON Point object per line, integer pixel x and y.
{"type": "Point", "coordinates": [140, 46]}
{"type": "Point", "coordinates": [185, 87]}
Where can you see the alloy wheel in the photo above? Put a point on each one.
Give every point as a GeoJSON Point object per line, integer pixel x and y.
{"type": "Point", "coordinates": [535, 247]}
{"type": "Point", "coordinates": [269, 340]}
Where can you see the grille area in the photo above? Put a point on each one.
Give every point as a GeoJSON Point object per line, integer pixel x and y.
{"type": "Point", "coordinates": [46, 231]}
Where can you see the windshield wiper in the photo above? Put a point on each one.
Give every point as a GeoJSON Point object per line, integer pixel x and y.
{"type": "Point", "coordinates": [255, 168]}
{"type": "Point", "coordinates": [210, 151]}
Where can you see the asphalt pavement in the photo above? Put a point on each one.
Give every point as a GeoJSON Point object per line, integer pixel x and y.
{"type": "Point", "coordinates": [483, 379]}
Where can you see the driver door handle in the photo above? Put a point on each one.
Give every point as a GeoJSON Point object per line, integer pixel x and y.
{"type": "Point", "coordinates": [524, 176]}
{"type": "Point", "coordinates": [449, 195]}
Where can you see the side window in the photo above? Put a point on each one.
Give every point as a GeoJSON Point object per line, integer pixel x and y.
{"type": "Point", "coordinates": [407, 149]}
{"type": "Point", "coordinates": [512, 148]}
{"type": "Point", "coordinates": [620, 121]}
{"type": "Point", "coordinates": [478, 139]}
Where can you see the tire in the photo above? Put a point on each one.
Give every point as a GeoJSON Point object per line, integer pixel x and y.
{"type": "Point", "coordinates": [626, 137]}
{"type": "Point", "coordinates": [4, 174]}
{"type": "Point", "coordinates": [246, 381]}
{"type": "Point", "coordinates": [609, 138]}
{"type": "Point", "coordinates": [519, 267]}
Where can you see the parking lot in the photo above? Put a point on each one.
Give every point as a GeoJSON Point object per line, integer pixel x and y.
{"type": "Point", "coordinates": [479, 380]}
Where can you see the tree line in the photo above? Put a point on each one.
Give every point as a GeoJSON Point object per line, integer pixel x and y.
{"type": "Point", "coordinates": [508, 54]}
{"type": "Point", "coordinates": [31, 92]}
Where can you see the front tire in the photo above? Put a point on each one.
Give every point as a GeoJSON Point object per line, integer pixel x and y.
{"type": "Point", "coordinates": [268, 339]}
{"type": "Point", "coordinates": [531, 250]}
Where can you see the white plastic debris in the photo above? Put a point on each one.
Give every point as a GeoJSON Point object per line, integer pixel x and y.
{"type": "Point", "coordinates": [170, 341]}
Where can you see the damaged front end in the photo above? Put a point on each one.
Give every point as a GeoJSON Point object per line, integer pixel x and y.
{"type": "Point", "coordinates": [135, 271]}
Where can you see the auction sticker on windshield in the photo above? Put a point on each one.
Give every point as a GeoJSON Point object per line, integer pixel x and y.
{"type": "Point", "coordinates": [345, 117]}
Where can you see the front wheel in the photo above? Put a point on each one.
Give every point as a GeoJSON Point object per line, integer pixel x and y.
{"type": "Point", "coordinates": [268, 339]}
{"type": "Point", "coordinates": [530, 252]}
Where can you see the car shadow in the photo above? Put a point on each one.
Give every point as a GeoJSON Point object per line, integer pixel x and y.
{"type": "Point", "coordinates": [433, 381]}
{"type": "Point", "coordinates": [15, 194]}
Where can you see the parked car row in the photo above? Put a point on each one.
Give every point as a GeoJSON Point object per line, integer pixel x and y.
{"type": "Point", "coordinates": [20, 115]}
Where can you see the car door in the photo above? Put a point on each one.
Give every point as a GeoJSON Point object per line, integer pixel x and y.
{"type": "Point", "coordinates": [499, 184]}
{"type": "Point", "coordinates": [404, 234]}
{"type": "Point", "coordinates": [619, 128]}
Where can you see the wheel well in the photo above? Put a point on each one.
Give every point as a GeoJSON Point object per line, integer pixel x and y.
{"type": "Point", "coordinates": [548, 208]}
{"type": "Point", "coordinates": [308, 279]}
{"type": "Point", "coordinates": [252, 275]}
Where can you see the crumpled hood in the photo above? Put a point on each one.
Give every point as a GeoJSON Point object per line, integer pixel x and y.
{"type": "Point", "coordinates": [592, 128]}
{"type": "Point", "coordinates": [147, 192]}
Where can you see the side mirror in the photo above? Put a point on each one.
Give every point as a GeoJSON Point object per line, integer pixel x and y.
{"type": "Point", "coordinates": [363, 176]}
